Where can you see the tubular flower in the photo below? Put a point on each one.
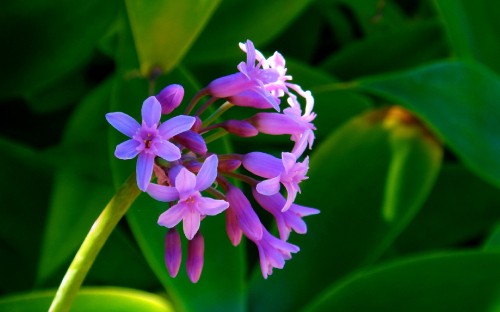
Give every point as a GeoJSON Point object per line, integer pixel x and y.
{"type": "Point", "coordinates": [177, 164]}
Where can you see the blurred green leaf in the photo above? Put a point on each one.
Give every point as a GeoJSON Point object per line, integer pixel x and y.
{"type": "Point", "coordinates": [400, 48]}
{"type": "Point", "coordinates": [459, 101]}
{"type": "Point", "coordinates": [26, 186]}
{"type": "Point", "coordinates": [438, 282]}
{"type": "Point", "coordinates": [472, 28]}
{"type": "Point", "coordinates": [37, 52]}
{"type": "Point", "coordinates": [348, 176]}
{"type": "Point", "coordinates": [109, 299]}
{"type": "Point", "coordinates": [78, 196]}
{"type": "Point", "coordinates": [164, 30]}
{"type": "Point", "coordinates": [493, 241]}
{"type": "Point", "coordinates": [238, 20]}
{"type": "Point", "coordinates": [460, 208]}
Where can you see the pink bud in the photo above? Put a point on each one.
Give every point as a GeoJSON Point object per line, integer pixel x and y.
{"type": "Point", "coordinates": [240, 127]}
{"type": "Point", "coordinates": [173, 253]}
{"type": "Point", "coordinates": [193, 141]}
{"type": "Point", "coordinates": [229, 165]}
{"type": "Point", "coordinates": [194, 263]}
{"type": "Point", "coordinates": [197, 124]}
{"type": "Point", "coordinates": [170, 98]}
{"type": "Point", "coordinates": [232, 227]}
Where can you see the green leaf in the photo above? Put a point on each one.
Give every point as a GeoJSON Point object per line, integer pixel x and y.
{"type": "Point", "coordinates": [221, 286]}
{"type": "Point", "coordinates": [472, 29]}
{"type": "Point", "coordinates": [109, 299]}
{"type": "Point", "coordinates": [351, 179]}
{"type": "Point", "coordinates": [493, 241]}
{"type": "Point", "coordinates": [238, 20]}
{"type": "Point", "coordinates": [39, 52]}
{"type": "Point", "coordinates": [459, 101]}
{"type": "Point", "coordinates": [164, 30]}
{"type": "Point", "coordinates": [26, 186]}
{"type": "Point", "coordinates": [460, 208]}
{"type": "Point", "coordinates": [79, 195]}
{"type": "Point", "coordinates": [403, 47]}
{"type": "Point", "coordinates": [438, 282]}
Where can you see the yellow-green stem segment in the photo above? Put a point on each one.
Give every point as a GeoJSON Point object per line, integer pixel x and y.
{"type": "Point", "coordinates": [97, 236]}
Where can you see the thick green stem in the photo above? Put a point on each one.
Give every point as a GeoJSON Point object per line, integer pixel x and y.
{"type": "Point", "coordinates": [97, 236]}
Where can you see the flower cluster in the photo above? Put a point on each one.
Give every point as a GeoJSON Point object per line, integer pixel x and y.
{"type": "Point", "coordinates": [175, 166]}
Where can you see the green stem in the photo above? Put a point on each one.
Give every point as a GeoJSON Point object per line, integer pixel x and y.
{"type": "Point", "coordinates": [97, 236]}
{"type": "Point", "coordinates": [221, 110]}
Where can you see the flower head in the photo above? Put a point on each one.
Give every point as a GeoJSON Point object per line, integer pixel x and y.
{"type": "Point", "coordinates": [191, 205]}
{"type": "Point", "coordinates": [149, 139]}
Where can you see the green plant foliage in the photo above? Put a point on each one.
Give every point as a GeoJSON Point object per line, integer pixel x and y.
{"type": "Point", "coordinates": [405, 165]}
{"type": "Point", "coordinates": [436, 282]}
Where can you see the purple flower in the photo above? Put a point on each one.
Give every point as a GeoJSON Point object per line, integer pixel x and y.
{"type": "Point", "coordinates": [149, 139]}
{"type": "Point", "coordinates": [191, 205]}
{"type": "Point", "coordinates": [286, 171]}
{"type": "Point", "coordinates": [288, 220]}
{"type": "Point", "coordinates": [170, 97]}
{"type": "Point", "coordinates": [250, 77]}
{"type": "Point", "coordinates": [273, 252]}
{"type": "Point", "coordinates": [194, 262]}
{"type": "Point", "coordinates": [248, 221]}
{"type": "Point", "coordinates": [173, 252]}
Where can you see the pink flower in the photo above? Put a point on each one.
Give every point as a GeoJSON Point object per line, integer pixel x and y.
{"type": "Point", "coordinates": [149, 139]}
{"type": "Point", "coordinates": [286, 171]}
{"type": "Point", "coordinates": [191, 205]}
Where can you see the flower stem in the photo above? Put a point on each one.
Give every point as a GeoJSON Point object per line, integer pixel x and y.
{"type": "Point", "coordinates": [221, 110]}
{"type": "Point", "coordinates": [97, 236]}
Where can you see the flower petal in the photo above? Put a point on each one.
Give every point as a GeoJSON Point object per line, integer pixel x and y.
{"type": "Point", "coordinates": [263, 164]}
{"type": "Point", "coordinates": [173, 252]}
{"type": "Point", "coordinates": [151, 111]}
{"type": "Point", "coordinates": [162, 192]}
{"type": "Point", "coordinates": [288, 160]}
{"type": "Point", "coordinates": [144, 170]}
{"type": "Point", "coordinates": [191, 224]}
{"type": "Point", "coordinates": [207, 174]}
{"type": "Point", "coordinates": [185, 182]}
{"type": "Point", "coordinates": [211, 207]}
{"type": "Point", "coordinates": [194, 262]}
{"type": "Point", "coordinates": [175, 126]}
{"type": "Point", "coordinates": [167, 150]}
{"type": "Point", "coordinates": [123, 123]}
{"type": "Point", "coordinates": [269, 187]}
{"type": "Point", "coordinates": [172, 216]}
{"type": "Point", "coordinates": [291, 195]}
{"type": "Point", "coordinates": [127, 149]}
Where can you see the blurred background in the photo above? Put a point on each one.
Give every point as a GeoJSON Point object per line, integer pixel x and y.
{"type": "Point", "coordinates": [405, 168]}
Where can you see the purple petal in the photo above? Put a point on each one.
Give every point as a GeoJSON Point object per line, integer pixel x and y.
{"type": "Point", "coordinates": [123, 123]}
{"type": "Point", "coordinates": [212, 207]}
{"type": "Point", "coordinates": [250, 49]}
{"type": "Point", "coordinates": [291, 195]}
{"type": "Point", "coordinates": [170, 98]}
{"type": "Point", "coordinates": [185, 182]}
{"type": "Point", "coordinates": [127, 149]}
{"type": "Point", "coordinates": [176, 125]}
{"type": "Point", "coordinates": [263, 165]}
{"type": "Point", "coordinates": [276, 124]}
{"type": "Point", "coordinates": [162, 193]}
{"type": "Point", "coordinates": [167, 150]}
{"type": "Point", "coordinates": [144, 170]}
{"type": "Point", "coordinates": [304, 211]}
{"type": "Point", "coordinates": [247, 218]}
{"type": "Point", "coordinates": [207, 174]}
{"type": "Point", "coordinates": [151, 111]}
{"type": "Point", "coordinates": [172, 216]}
{"type": "Point", "coordinates": [194, 262]}
{"type": "Point", "coordinates": [173, 252]}
{"type": "Point", "coordinates": [230, 85]}
{"type": "Point", "coordinates": [288, 160]}
{"type": "Point", "coordinates": [193, 141]}
{"type": "Point", "coordinates": [269, 187]}
{"type": "Point", "coordinates": [191, 224]}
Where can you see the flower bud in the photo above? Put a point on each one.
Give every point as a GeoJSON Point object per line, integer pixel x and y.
{"type": "Point", "coordinates": [247, 218]}
{"type": "Point", "coordinates": [240, 128]}
{"type": "Point", "coordinates": [228, 165]}
{"type": "Point", "coordinates": [173, 253]}
{"type": "Point", "coordinates": [194, 263]}
{"type": "Point", "coordinates": [170, 98]}
{"type": "Point", "coordinates": [250, 98]}
{"type": "Point", "coordinates": [233, 228]}
{"type": "Point", "coordinates": [193, 141]}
